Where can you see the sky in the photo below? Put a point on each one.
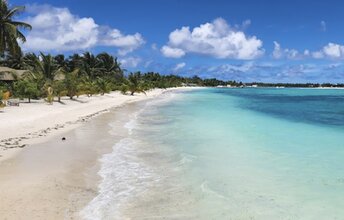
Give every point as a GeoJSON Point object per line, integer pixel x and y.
{"type": "Point", "coordinates": [261, 41]}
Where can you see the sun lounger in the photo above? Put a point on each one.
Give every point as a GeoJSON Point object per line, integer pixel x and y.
{"type": "Point", "coordinates": [13, 103]}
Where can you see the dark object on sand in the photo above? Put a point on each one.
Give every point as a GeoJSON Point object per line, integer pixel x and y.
{"type": "Point", "coordinates": [63, 138]}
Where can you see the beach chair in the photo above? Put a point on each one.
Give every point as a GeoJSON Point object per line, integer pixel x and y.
{"type": "Point", "coordinates": [12, 103]}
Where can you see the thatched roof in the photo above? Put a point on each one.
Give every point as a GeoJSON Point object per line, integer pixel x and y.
{"type": "Point", "coordinates": [9, 74]}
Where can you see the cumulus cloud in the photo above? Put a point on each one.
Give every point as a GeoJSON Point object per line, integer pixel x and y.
{"type": "Point", "coordinates": [331, 50]}
{"type": "Point", "coordinates": [172, 52]}
{"type": "Point", "coordinates": [280, 52]}
{"type": "Point", "coordinates": [126, 43]}
{"type": "Point", "coordinates": [57, 29]}
{"type": "Point", "coordinates": [130, 62]}
{"type": "Point", "coordinates": [179, 66]}
{"type": "Point", "coordinates": [216, 39]}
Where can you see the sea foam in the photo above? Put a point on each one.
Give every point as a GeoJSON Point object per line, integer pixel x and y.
{"type": "Point", "coordinates": [124, 175]}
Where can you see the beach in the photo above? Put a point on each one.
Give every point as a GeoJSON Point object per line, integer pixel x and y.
{"type": "Point", "coordinates": [212, 153]}
{"type": "Point", "coordinates": [35, 122]}
{"type": "Point", "coordinates": [49, 178]}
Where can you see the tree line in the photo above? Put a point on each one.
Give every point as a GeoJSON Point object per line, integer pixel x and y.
{"type": "Point", "coordinates": [51, 76]}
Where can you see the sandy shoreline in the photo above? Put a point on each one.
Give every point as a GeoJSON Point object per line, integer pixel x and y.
{"type": "Point", "coordinates": [36, 122]}
{"type": "Point", "coordinates": [54, 179]}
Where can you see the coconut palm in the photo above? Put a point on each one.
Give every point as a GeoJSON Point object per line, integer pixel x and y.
{"type": "Point", "coordinates": [103, 85]}
{"type": "Point", "coordinates": [9, 29]}
{"type": "Point", "coordinates": [134, 84]}
{"type": "Point", "coordinates": [61, 61]}
{"type": "Point", "coordinates": [73, 62]}
{"type": "Point", "coordinates": [59, 89]}
{"type": "Point", "coordinates": [44, 67]}
{"type": "Point", "coordinates": [90, 66]}
{"type": "Point", "coordinates": [109, 63]}
{"type": "Point", "coordinates": [71, 82]}
{"type": "Point", "coordinates": [14, 61]}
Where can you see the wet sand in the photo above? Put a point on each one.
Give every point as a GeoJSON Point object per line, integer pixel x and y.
{"type": "Point", "coordinates": [55, 179]}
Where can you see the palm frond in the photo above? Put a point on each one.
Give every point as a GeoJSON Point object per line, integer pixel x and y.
{"type": "Point", "coordinates": [14, 11]}
{"type": "Point", "coordinates": [21, 24]}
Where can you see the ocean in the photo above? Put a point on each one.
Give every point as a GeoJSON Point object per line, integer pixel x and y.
{"type": "Point", "coordinates": [228, 153]}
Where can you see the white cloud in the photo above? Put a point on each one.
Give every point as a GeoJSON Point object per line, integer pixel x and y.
{"type": "Point", "coordinates": [333, 50]}
{"type": "Point", "coordinates": [57, 29]}
{"type": "Point", "coordinates": [279, 52]}
{"type": "Point", "coordinates": [179, 66]}
{"type": "Point", "coordinates": [317, 55]}
{"type": "Point", "coordinates": [323, 26]}
{"type": "Point", "coordinates": [229, 68]}
{"type": "Point", "coordinates": [172, 52]}
{"type": "Point", "coordinates": [126, 43]}
{"type": "Point", "coordinates": [216, 39]}
{"type": "Point", "coordinates": [130, 62]}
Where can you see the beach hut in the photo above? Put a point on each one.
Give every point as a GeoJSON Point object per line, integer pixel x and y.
{"type": "Point", "coordinates": [8, 74]}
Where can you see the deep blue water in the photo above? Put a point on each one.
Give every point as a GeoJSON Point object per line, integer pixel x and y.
{"type": "Point", "coordinates": [319, 106]}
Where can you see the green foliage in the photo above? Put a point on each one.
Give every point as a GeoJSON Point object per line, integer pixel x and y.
{"type": "Point", "coordinates": [9, 29]}
{"type": "Point", "coordinates": [134, 84]}
{"type": "Point", "coordinates": [103, 86]}
{"type": "Point", "coordinates": [213, 82]}
{"type": "Point", "coordinates": [27, 88]}
{"type": "Point", "coordinates": [44, 67]}
{"type": "Point", "coordinates": [88, 87]}
{"type": "Point", "coordinates": [59, 88]}
{"type": "Point", "coordinates": [71, 82]}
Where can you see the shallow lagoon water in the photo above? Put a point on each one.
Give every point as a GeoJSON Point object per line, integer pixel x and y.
{"type": "Point", "coordinates": [237, 154]}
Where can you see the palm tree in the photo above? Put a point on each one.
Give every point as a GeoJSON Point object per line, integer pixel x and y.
{"type": "Point", "coordinates": [14, 61]}
{"type": "Point", "coordinates": [73, 62]}
{"type": "Point", "coordinates": [61, 61]}
{"type": "Point", "coordinates": [134, 84]}
{"type": "Point", "coordinates": [90, 66]}
{"type": "Point", "coordinates": [9, 29]}
{"type": "Point", "coordinates": [103, 85]}
{"type": "Point", "coordinates": [59, 89]}
{"type": "Point", "coordinates": [44, 67]}
{"type": "Point", "coordinates": [109, 64]}
{"type": "Point", "coordinates": [71, 82]}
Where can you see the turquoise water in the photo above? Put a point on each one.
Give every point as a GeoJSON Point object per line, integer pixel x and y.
{"type": "Point", "coordinates": [238, 154]}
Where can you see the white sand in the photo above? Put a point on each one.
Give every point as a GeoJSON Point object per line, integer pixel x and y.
{"type": "Point", "coordinates": [34, 122]}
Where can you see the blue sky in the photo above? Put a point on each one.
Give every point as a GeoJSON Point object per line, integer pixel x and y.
{"type": "Point", "coordinates": [270, 41]}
